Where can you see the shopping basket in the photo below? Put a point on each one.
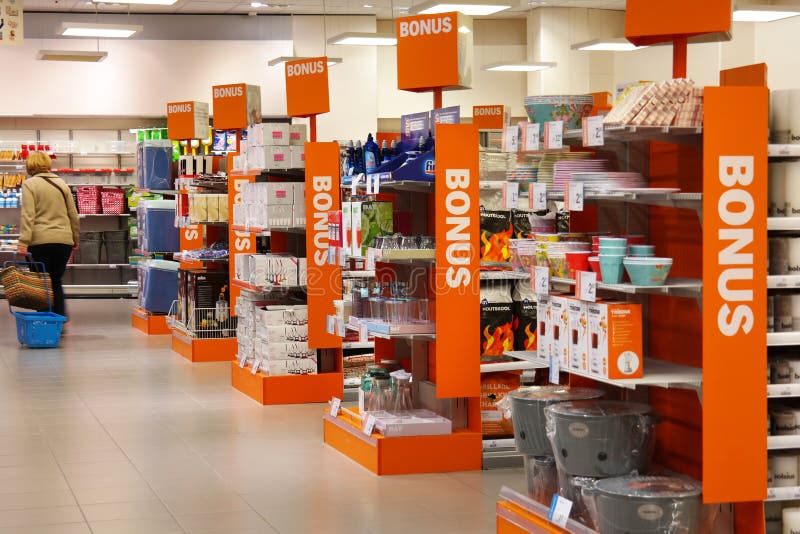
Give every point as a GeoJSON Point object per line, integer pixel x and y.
{"type": "Point", "coordinates": [40, 329]}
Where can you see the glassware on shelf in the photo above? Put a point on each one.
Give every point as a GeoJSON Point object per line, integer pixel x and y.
{"type": "Point", "coordinates": [408, 242]}
{"type": "Point", "coordinates": [401, 388]}
{"type": "Point", "coordinates": [427, 242]}
{"type": "Point", "coordinates": [379, 395]}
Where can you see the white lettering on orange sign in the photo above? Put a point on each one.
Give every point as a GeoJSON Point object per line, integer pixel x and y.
{"type": "Point", "coordinates": [487, 111]}
{"type": "Point", "coordinates": [322, 202]}
{"type": "Point", "coordinates": [228, 92]}
{"type": "Point", "coordinates": [191, 233]}
{"type": "Point", "coordinates": [459, 240]}
{"type": "Point", "coordinates": [735, 208]}
{"type": "Point", "coordinates": [242, 242]}
{"type": "Point", "coordinates": [179, 108]}
{"type": "Point", "coordinates": [304, 69]}
{"type": "Point", "coordinates": [434, 26]}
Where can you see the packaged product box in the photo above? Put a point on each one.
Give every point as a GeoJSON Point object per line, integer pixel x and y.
{"type": "Point", "coordinates": [525, 317]}
{"type": "Point", "coordinates": [494, 388]}
{"type": "Point", "coordinates": [204, 289]}
{"type": "Point", "coordinates": [297, 156]}
{"type": "Point", "coordinates": [239, 214]}
{"type": "Point", "coordinates": [559, 315]}
{"type": "Point", "coordinates": [276, 133]}
{"type": "Point", "coordinates": [347, 225]}
{"type": "Point", "coordinates": [302, 271]}
{"type": "Point", "coordinates": [287, 351]}
{"type": "Point", "coordinates": [578, 335]}
{"type": "Point", "coordinates": [355, 236]}
{"type": "Point", "coordinates": [223, 208]}
{"type": "Point", "coordinates": [273, 270]}
{"type": "Point", "coordinates": [306, 366]}
{"type": "Point", "coordinates": [285, 334]}
{"type": "Point", "coordinates": [497, 320]}
{"type": "Point", "coordinates": [334, 229]}
{"type": "Point", "coordinates": [277, 157]}
{"type": "Point", "coordinates": [299, 215]}
{"type": "Point", "coordinates": [212, 207]}
{"type": "Point", "coordinates": [615, 340]}
{"type": "Point", "coordinates": [496, 231]}
{"type": "Point", "coordinates": [200, 208]}
{"type": "Point", "coordinates": [544, 345]}
{"type": "Point", "coordinates": [255, 158]}
{"type": "Point", "coordinates": [242, 266]}
{"type": "Point", "coordinates": [376, 219]}
{"type": "Point", "coordinates": [298, 135]}
{"type": "Point", "coordinates": [255, 135]}
{"type": "Point", "coordinates": [278, 193]}
{"type": "Point", "coordinates": [281, 315]}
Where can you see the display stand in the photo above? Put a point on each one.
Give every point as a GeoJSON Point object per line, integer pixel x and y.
{"type": "Point", "coordinates": [203, 350]}
{"type": "Point", "coordinates": [146, 322]}
{"type": "Point", "coordinates": [291, 389]}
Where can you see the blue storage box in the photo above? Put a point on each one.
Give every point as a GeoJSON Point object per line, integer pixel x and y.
{"type": "Point", "coordinates": [156, 226]}
{"type": "Point", "coordinates": [159, 285]}
{"type": "Point", "coordinates": [154, 165]}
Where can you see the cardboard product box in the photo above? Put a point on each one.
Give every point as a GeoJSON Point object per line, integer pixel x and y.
{"type": "Point", "coordinates": [615, 340]}
{"type": "Point", "coordinates": [212, 206]}
{"type": "Point", "coordinates": [281, 315]}
{"type": "Point", "coordinates": [255, 158]}
{"type": "Point", "coordinates": [183, 295]}
{"type": "Point", "coordinates": [278, 193]}
{"type": "Point", "coordinates": [255, 135]}
{"type": "Point", "coordinates": [335, 229]}
{"type": "Point", "coordinates": [302, 271]}
{"type": "Point", "coordinates": [276, 133]}
{"type": "Point", "coordinates": [273, 270]}
{"type": "Point", "coordinates": [494, 387]}
{"type": "Point", "coordinates": [355, 235]}
{"type": "Point", "coordinates": [242, 269]}
{"type": "Point", "coordinates": [297, 156]}
{"type": "Point", "coordinates": [286, 334]}
{"type": "Point", "coordinates": [544, 346]}
{"type": "Point", "coordinates": [299, 215]}
{"type": "Point", "coordinates": [559, 315]}
{"type": "Point", "coordinates": [298, 134]}
{"type": "Point", "coordinates": [289, 351]}
{"type": "Point", "coordinates": [299, 194]}
{"type": "Point", "coordinates": [277, 157]}
{"type": "Point", "coordinates": [307, 366]}
{"type": "Point", "coordinates": [280, 215]}
{"type": "Point", "coordinates": [377, 218]}
{"type": "Point", "coordinates": [347, 225]}
{"type": "Point", "coordinates": [204, 290]}
{"type": "Point", "coordinates": [239, 214]}
{"type": "Point", "coordinates": [240, 162]}
{"type": "Point", "coordinates": [578, 335]}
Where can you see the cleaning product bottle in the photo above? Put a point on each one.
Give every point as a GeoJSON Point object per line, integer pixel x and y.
{"type": "Point", "coordinates": [371, 154]}
{"type": "Point", "coordinates": [394, 150]}
{"type": "Point", "coordinates": [351, 158]}
{"type": "Point", "coordinates": [358, 158]}
{"type": "Point", "coordinates": [421, 145]}
{"type": "Point", "coordinates": [386, 154]}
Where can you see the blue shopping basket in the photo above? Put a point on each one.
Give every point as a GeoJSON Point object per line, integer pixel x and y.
{"type": "Point", "coordinates": [37, 330]}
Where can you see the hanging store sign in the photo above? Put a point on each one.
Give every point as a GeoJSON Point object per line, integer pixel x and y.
{"type": "Point", "coordinates": [307, 87]}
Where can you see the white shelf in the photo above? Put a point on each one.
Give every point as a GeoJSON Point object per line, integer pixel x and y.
{"type": "Point", "coordinates": [782, 281]}
{"type": "Point", "coordinates": [85, 215]}
{"type": "Point", "coordinates": [501, 443]}
{"type": "Point", "coordinates": [658, 373]}
{"type": "Point", "coordinates": [358, 345]}
{"type": "Point", "coordinates": [358, 274]}
{"type": "Point", "coordinates": [783, 494]}
{"type": "Point", "coordinates": [673, 286]}
{"type": "Point", "coordinates": [783, 223]}
{"type": "Point", "coordinates": [782, 391]}
{"type": "Point", "coordinates": [508, 366]}
{"type": "Point", "coordinates": [783, 151]}
{"type": "Point", "coordinates": [783, 339]}
{"type": "Point", "coordinates": [776, 443]}
{"type": "Point", "coordinates": [504, 275]}
{"type": "Point", "coordinates": [669, 134]}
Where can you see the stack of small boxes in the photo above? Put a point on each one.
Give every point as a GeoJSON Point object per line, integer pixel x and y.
{"type": "Point", "coordinates": [265, 270]}
{"type": "Point", "coordinates": [271, 205]}
{"type": "Point", "coordinates": [208, 208]}
{"type": "Point", "coordinates": [246, 328]}
{"type": "Point", "coordinates": [602, 338]}
{"type": "Point", "coordinates": [273, 146]}
{"type": "Point", "coordinates": [280, 342]}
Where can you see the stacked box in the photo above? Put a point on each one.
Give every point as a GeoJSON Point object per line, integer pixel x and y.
{"type": "Point", "coordinates": [272, 205]}
{"type": "Point", "coordinates": [281, 341]}
{"type": "Point", "coordinates": [268, 146]}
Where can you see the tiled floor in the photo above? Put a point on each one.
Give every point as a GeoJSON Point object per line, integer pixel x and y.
{"type": "Point", "coordinates": [115, 434]}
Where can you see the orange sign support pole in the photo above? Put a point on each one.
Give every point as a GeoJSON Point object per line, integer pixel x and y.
{"type": "Point", "coordinates": [312, 127]}
{"type": "Point", "coordinates": [437, 98]}
{"type": "Point", "coordinates": [680, 48]}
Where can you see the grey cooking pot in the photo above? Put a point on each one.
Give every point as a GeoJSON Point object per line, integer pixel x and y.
{"type": "Point", "coordinates": [579, 490]}
{"type": "Point", "coordinates": [527, 413]}
{"type": "Point", "coordinates": [601, 438]}
{"type": "Point", "coordinates": [648, 504]}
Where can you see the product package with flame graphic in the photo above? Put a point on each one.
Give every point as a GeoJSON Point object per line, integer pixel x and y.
{"type": "Point", "coordinates": [527, 223]}
{"type": "Point", "coordinates": [496, 231]}
{"type": "Point", "coordinates": [525, 317]}
{"type": "Point", "coordinates": [494, 387]}
{"type": "Point", "coordinates": [497, 319]}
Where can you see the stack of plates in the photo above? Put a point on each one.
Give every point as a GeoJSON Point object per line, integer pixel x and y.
{"type": "Point", "coordinates": [564, 170]}
{"type": "Point", "coordinates": [523, 175]}
{"type": "Point", "coordinates": [548, 164]}
{"type": "Point", "coordinates": [608, 182]}
{"type": "Point", "coordinates": [493, 165]}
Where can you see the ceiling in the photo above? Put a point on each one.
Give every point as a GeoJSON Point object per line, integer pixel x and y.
{"type": "Point", "coordinates": [381, 8]}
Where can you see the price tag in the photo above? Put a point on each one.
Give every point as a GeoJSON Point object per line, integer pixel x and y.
{"type": "Point", "coordinates": [555, 368]}
{"type": "Point", "coordinates": [256, 365]}
{"type": "Point", "coordinates": [331, 255]}
{"type": "Point", "coordinates": [559, 511]}
{"type": "Point", "coordinates": [511, 139]}
{"type": "Point", "coordinates": [330, 324]}
{"type": "Point", "coordinates": [586, 287]}
{"type": "Point", "coordinates": [537, 196]}
{"type": "Point", "coordinates": [342, 257]}
{"type": "Point", "coordinates": [553, 135]}
{"type": "Point", "coordinates": [369, 265]}
{"type": "Point", "coordinates": [771, 493]}
{"type": "Point", "coordinates": [532, 136]}
{"type": "Point", "coordinates": [376, 185]}
{"type": "Point", "coordinates": [242, 361]}
{"type": "Point", "coordinates": [340, 329]}
{"type": "Point", "coordinates": [369, 184]}
{"type": "Point", "coordinates": [511, 195]}
{"type": "Point", "coordinates": [573, 199]}
{"type": "Point", "coordinates": [369, 425]}
{"type": "Point", "coordinates": [783, 150]}
{"type": "Point", "coordinates": [593, 131]}
{"type": "Point", "coordinates": [354, 183]}
{"type": "Point", "coordinates": [785, 393]}
{"type": "Point", "coordinates": [541, 277]}
{"type": "Point", "coordinates": [363, 334]}
{"type": "Point", "coordinates": [335, 404]}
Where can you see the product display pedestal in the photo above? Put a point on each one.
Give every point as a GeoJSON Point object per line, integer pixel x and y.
{"type": "Point", "coordinates": [152, 325]}
{"type": "Point", "coordinates": [289, 389]}
{"type": "Point", "coordinates": [459, 451]}
{"type": "Point", "coordinates": [518, 514]}
{"type": "Point", "coordinates": [204, 350]}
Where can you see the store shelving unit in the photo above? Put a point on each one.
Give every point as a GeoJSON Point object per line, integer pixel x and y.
{"type": "Point", "coordinates": [783, 339]}
{"type": "Point", "coordinates": [783, 494]}
{"type": "Point", "coordinates": [783, 224]}
{"type": "Point", "coordinates": [785, 281]}
{"type": "Point", "coordinates": [518, 514]}
{"type": "Point", "coordinates": [775, 443]}
{"type": "Point", "coordinates": [783, 391]}
{"type": "Point", "coordinates": [148, 323]}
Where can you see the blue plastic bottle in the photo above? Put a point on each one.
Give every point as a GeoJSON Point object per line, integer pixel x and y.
{"type": "Point", "coordinates": [351, 156]}
{"type": "Point", "coordinates": [386, 153]}
{"type": "Point", "coordinates": [358, 158]}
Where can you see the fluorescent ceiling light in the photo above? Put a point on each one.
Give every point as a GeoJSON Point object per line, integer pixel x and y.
{"type": "Point", "coordinates": [519, 66]}
{"type": "Point", "coordinates": [363, 39]}
{"type": "Point", "coordinates": [145, 2]}
{"type": "Point", "coordinates": [617, 44]}
{"type": "Point", "coordinates": [468, 7]}
{"type": "Point", "coordinates": [80, 29]}
{"type": "Point", "coordinates": [283, 59]}
{"type": "Point", "coordinates": [86, 56]}
{"type": "Point", "coordinates": [464, 29]}
{"type": "Point", "coordinates": [763, 13]}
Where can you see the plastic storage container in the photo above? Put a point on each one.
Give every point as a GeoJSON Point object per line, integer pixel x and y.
{"type": "Point", "coordinates": [157, 231]}
{"type": "Point", "coordinates": [115, 243]}
{"type": "Point", "coordinates": [542, 477]}
{"type": "Point", "coordinates": [90, 247]}
{"type": "Point", "coordinates": [154, 164]}
{"type": "Point", "coordinates": [527, 412]}
{"type": "Point", "coordinates": [160, 285]}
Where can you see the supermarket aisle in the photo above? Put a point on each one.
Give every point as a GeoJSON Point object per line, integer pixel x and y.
{"type": "Point", "coordinates": [113, 433]}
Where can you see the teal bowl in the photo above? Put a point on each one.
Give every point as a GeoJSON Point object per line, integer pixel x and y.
{"type": "Point", "coordinates": [613, 251]}
{"type": "Point", "coordinates": [647, 251]}
{"type": "Point", "coordinates": [614, 241]}
{"type": "Point", "coordinates": [647, 271]}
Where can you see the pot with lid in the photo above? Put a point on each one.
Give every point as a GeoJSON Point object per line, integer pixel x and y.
{"type": "Point", "coordinates": [648, 504]}
{"type": "Point", "coordinates": [601, 438]}
{"type": "Point", "coordinates": [527, 412]}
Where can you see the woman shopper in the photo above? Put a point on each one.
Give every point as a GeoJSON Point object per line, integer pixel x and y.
{"type": "Point", "coordinates": [50, 228]}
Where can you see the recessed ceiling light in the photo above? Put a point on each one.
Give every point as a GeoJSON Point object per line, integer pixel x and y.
{"type": "Point", "coordinates": [763, 13]}
{"type": "Point", "coordinates": [85, 56]}
{"type": "Point", "coordinates": [81, 29]}
{"type": "Point", "coordinates": [467, 7]}
{"type": "Point", "coordinates": [145, 2]}
{"type": "Point", "coordinates": [463, 29]}
{"type": "Point", "coordinates": [363, 39]}
{"type": "Point", "coordinates": [617, 44]}
{"type": "Point", "coordinates": [519, 66]}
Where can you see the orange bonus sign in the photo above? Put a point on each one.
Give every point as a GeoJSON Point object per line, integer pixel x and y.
{"type": "Point", "coordinates": [187, 120]}
{"type": "Point", "coordinates": [324, 278]}
{"type": "Point", "coordinates": [238, 242]}
{"type": "Point", "coordinates": [734, 294]}
{"type": "Point", "coordinates": [450, 67]}
{"type": "Point", "coordinates": [236, 106]}
{"type": "Point", "coordinates": [457, 200]}
{"type": "Point", "coordinates": [489, 117]}
{"type": "Point", "coordinates": [655, 21]}
{"type": "Point", "coordinates": [307, 87]}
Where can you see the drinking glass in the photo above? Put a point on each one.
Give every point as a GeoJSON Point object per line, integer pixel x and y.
{"type": "Point", "coordinates": [408, 242]}
{"type": "Point", "coordinates": [427, 242]}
